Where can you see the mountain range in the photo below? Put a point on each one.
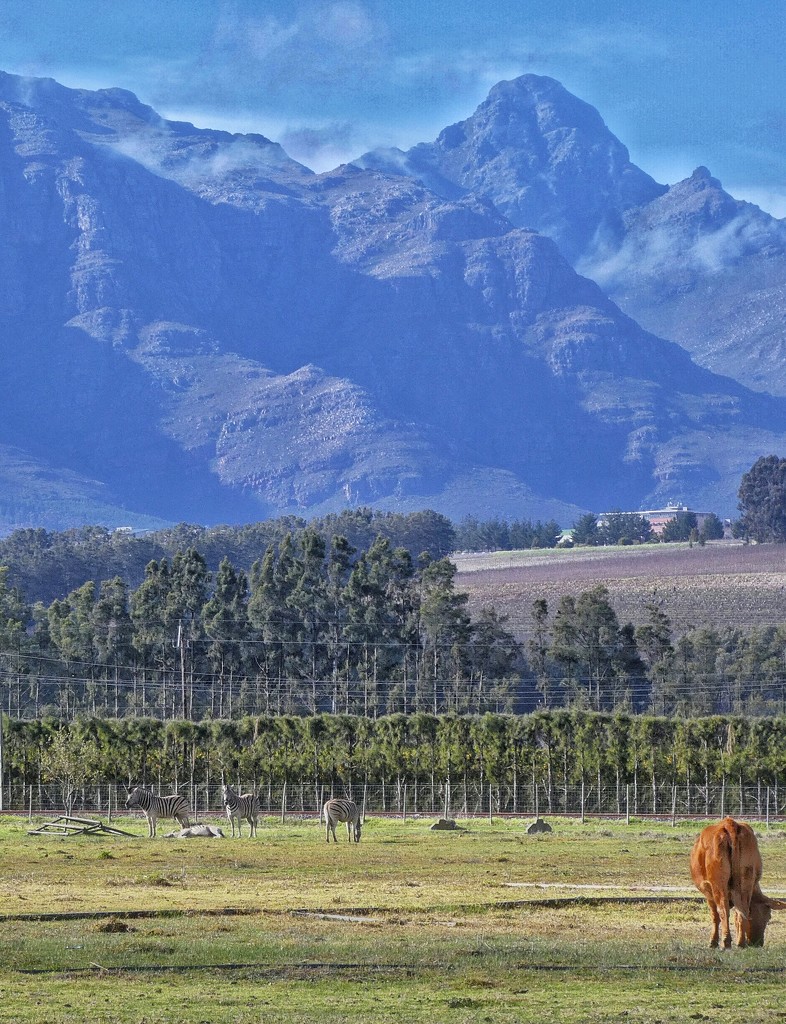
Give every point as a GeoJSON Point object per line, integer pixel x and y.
{"type": "Point", "coordinates": [513, 320]}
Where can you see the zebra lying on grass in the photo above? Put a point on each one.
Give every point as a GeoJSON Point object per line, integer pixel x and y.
{"type": "Point", "coordinates": [197, 832]}
{"type": "Point", "coordinates": [240, 806]}
{"type": "Point", "coordinates": [337, 810]}
{"type": "Point", "coordinates": [155, 807]}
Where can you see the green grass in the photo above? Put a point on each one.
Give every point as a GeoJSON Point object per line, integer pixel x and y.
{"type": "Point", "coordinates": [487, 924]}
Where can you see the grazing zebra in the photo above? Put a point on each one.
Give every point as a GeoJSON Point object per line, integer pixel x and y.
{"type": "Point", "coordinates": [240, 806]}
{"type": "Point", "coordinates": [342, 810]}
{"type": "Point", "coordinates": [155, 807]}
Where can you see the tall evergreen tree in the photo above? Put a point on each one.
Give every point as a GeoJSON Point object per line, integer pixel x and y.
{"type": "Point", "coordinates": [445, 629]}
{"type": "Point", "coordinates": [152, 636]}
{"type": "Point", "coordinates": [113, 632]}
{"type": "Point", "coordinates": [226, 625]}
{"type": "Point", "coordinates": [310, 601]}
{"type": "Point", "coordinates": [762, 500]}
{"type": "Point", "coordinates": [187, 597]}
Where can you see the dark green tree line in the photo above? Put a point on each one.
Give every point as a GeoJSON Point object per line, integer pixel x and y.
{"type": "Point", "coordinates": [47, 565]}
{"type": "Point", "coordinates": [323, 628]}
{"type": "Point", "coordinates": [762, 501]}
{"type": "Point", "coordinates": [560, 761]}
{"type": "Point", "coordinates": [313, 628]}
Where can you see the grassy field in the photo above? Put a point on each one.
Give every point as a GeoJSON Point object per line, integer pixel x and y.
{"type": "Point", "coordinates": [722, 583]}
{"type": "Point", "coordinates": [593, 922]}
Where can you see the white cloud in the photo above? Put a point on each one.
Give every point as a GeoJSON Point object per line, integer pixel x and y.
{"type": "Point", "coordinates": [254, 37]}
{"type": "Point", "coordinates": [320, 146]}
{"type": "Point", "coordinates": [348, 24]}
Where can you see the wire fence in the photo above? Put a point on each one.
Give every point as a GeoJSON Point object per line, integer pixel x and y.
{"type": "Point", "coordinates": [403, 800]}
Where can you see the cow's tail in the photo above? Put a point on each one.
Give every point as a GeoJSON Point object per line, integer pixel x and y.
{"type": "Point", "coordinates": [738, 900]}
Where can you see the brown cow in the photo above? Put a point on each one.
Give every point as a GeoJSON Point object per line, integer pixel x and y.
{"type": "Point", "coordinates": [726, 867]}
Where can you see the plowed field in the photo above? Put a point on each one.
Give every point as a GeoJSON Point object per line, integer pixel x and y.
{"type": "Point", "coordinates": [723, 583]}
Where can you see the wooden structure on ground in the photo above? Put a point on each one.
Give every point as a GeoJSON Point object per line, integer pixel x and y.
{"type": "Point", "coordinates": [65, 825]}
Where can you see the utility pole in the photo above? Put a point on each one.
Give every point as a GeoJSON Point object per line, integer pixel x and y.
{"type": "Point", "coordinates": [2, 763]}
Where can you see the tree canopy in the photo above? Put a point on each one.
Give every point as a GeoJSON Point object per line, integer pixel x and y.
{"type": "Point", "coordinates": [762, 500]}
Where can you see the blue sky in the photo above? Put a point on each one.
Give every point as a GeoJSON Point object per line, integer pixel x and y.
{"type": "Point", "coordinates": [680, 82]}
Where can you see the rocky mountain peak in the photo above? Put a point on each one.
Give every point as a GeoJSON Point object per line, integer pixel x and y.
{"type": "Point", "coordinates": [702, 173]}
{"type": "Point", "coordinates": [219, 165]}
{"type": "Point", "coordinates": [544, 157]}
{"type": "Point", "coordinates": [202, 328]}
{"type": "Point", "coordinates": [539, 101]}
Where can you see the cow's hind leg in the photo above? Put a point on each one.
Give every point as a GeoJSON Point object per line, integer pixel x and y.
{"type": "Point", "coordinates": [722, 911]}
{"type": "Point", "coordinates": [706, 889]}
{"type": "Point", "coordinates": [713, 902]}
{"type": "Point", "coordinates": [715, 923]}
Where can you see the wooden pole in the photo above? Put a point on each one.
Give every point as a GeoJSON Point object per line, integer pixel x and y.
{"type": "Point", "coordinates": [405, 801]}
{"type": "Point", "coordinates": [768, 807]}
{"type": "Point", "coordinates": [627, 803]}
{"type": "Point", "coordinates": [284, 803]}
{"type": "Point", "coordinates": [673, 805]}
{"type": "Point", "coordinates": [2, 763]}
{"type": "Point", "coordinates": [491, 813]}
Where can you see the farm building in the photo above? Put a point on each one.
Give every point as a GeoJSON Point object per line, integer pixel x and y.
{"type": "Point", "coordinates": [658, 517]}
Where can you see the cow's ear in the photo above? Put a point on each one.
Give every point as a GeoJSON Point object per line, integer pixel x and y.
{"type": "Point", "coordinates": [775, 904]}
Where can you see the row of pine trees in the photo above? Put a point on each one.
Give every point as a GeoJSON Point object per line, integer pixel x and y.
{"type": "Point", "coordinates": [548, 761]}
{"type": "Point", "coordinates": [320, 627]}
{"type": "Point", "coordinates": [313, 627]}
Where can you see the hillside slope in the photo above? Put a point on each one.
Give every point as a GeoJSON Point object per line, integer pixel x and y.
{"type": "Point", "coordinates": [689, 262]}
{"type": "Point", "coordinates": [197, 327]}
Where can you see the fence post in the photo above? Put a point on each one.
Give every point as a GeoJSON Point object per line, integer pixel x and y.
{"type": "Point", "coordinates": [627, 803]}
{"type": "Point", "coordinates": [582, 801]}
{"type": "Point", "coordinates": [673, 805]}
{"type": "Point", "coordinates": [2, 760]}
{"type": "Point", "coordinates": [405, 802]}
{"type": "Point", "coordinates": [767, 805]}
{"type": "Point", "coordinates": [491, 811]}
{"type": "Point", "coordinates": [283, 803]}
{"type": "Point", "coordinates": [109, 804]}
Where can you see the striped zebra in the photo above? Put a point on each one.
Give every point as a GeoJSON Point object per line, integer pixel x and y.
{"type": "Point", "coordinates": [337, 810]}
{"type": "Point", "coordinates": [240, 806]}
{"type": "Point", "coordinates": [155, 807]}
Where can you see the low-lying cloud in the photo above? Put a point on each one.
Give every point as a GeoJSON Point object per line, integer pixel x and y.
{"type": "Point", "coordinates": [651, 251]}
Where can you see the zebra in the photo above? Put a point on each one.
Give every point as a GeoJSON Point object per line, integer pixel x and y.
{"type": "Point", "coordinates": [240, 806]}
{"type": "Point", "coordinates": [155, 807]}
{"type": "Point", "coordinates": [340, 809]}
